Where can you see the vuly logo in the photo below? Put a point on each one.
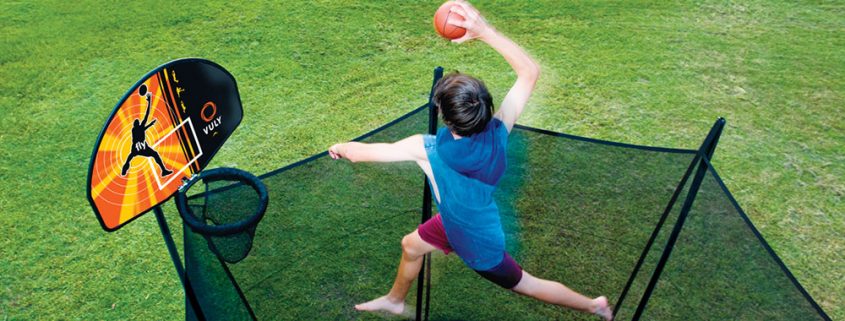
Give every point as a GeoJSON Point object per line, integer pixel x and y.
{"type": "Point", "coordinates": [208, 113]}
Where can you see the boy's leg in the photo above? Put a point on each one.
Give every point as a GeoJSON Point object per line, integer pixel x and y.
{"type": "Point", "coordinates": [557, 293]}
{"type": "Point", "coordinates": [413, 250]}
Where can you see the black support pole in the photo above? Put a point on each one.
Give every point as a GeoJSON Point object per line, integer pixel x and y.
{"type": "Point", "coordinates": [177, 262]}
{"type": "Point", "coordinates": [715, 133]}
{"type": "Point", "coordinates": [424, 276]}
{"type": "Point", "coordinates": [654, 233]}
{"type": "Point", "coordinates": [432, 110]}
{"type": "Point", "coordinates": [705, 151]}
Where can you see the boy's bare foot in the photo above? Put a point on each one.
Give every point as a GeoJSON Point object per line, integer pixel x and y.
{"type": "Point", "coordinates": [382, 304]}
{"type": "Point", "coordinates": [602, 308]}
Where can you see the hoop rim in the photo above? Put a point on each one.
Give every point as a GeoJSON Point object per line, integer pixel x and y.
{"type": "Point", "coordinates": [222, 173]}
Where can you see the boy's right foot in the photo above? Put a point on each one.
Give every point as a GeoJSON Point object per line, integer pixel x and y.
{"type": "Point", "coordinates": [602, 308]}
{"type": "Point", "coordinates": [382, 304]}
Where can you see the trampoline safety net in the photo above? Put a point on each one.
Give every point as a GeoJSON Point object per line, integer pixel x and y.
{"type": "Point", "coordinates": [597, 216]}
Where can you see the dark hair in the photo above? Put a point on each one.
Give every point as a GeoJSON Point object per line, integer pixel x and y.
{"type": "Point", "coordinates": [464, 103]}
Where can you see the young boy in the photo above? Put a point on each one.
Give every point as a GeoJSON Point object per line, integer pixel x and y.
{"type": "Point", "coordinates": [463, 163]}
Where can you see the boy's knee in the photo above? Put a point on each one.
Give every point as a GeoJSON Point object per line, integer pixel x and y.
{"type": "Point", "coordinates": [410, 246]}
{"type": "Point", "coordinates": [527, 285]}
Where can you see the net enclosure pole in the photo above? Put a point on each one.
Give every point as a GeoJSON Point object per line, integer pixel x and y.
{"type": "Point", "coordinates": [424, 276]}
{"type": "Point", "coordinates": [177, 262]}
{"type": "Point", "coordinates": [654, 233]}
{"type": "Point", "coordinates": [715, 133]}
{"type": "Point", "coordinates": [708, 146]}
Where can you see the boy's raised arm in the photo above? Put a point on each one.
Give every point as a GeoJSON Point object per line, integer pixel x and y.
{"type": "Point", "coordinates": [408, 149]}
{"type": "Point", "coordinates": [527, 71]}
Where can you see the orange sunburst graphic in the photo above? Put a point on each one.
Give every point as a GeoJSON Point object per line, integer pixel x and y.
{"type": "Point", "coordinates": [130, 174]}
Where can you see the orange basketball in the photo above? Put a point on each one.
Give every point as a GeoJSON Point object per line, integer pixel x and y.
{"type": "Point", "coordinates": [441, 19]}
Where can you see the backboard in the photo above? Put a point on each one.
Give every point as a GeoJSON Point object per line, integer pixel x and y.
{"type": "Point", "coordinates": [167, 127]}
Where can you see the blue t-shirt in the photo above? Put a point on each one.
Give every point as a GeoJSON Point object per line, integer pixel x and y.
{"type": "Point", "coordinates": [466, 172]}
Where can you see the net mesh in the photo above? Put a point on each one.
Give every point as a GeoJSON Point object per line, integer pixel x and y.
{"type": "Point", "coordinates": [720, 270]}
{"type": "Point", "coordinates": [574, 210]}
{"type": "Point", "coordinates": [331, 235]}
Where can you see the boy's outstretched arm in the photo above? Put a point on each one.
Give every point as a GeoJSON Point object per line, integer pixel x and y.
{"type": "Point", "coordinates": [527, 71]}
{"type": "Point", "coordinates": [408, 149]}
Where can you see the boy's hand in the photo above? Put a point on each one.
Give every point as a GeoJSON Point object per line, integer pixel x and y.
{"type": "Point", "coordinates": [473, 22]}
{"type": "Point", "coordinates": [334, 151]}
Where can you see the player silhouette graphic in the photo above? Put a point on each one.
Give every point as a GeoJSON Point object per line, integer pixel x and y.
{"type": "Point", "coordinates": [139, 137]}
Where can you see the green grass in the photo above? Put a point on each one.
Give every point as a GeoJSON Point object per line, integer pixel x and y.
{"type": "Point", "coordinates": [312, 74]}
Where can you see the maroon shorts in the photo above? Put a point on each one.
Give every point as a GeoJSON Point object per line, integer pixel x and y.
{"type": "Point", "coordinates": [506, 274]}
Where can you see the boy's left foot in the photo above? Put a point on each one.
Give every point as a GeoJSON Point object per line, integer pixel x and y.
{"type": "Point", "coordinates": [382, 304]}
{"type": "Point", "coordinates": [602, 308]}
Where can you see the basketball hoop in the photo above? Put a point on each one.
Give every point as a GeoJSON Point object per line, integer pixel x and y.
{"type": "Point", "coordinates": [224, 205]}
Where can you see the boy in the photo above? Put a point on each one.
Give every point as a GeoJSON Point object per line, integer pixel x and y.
{"type": "Point", "coordinates": [463, 163]}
